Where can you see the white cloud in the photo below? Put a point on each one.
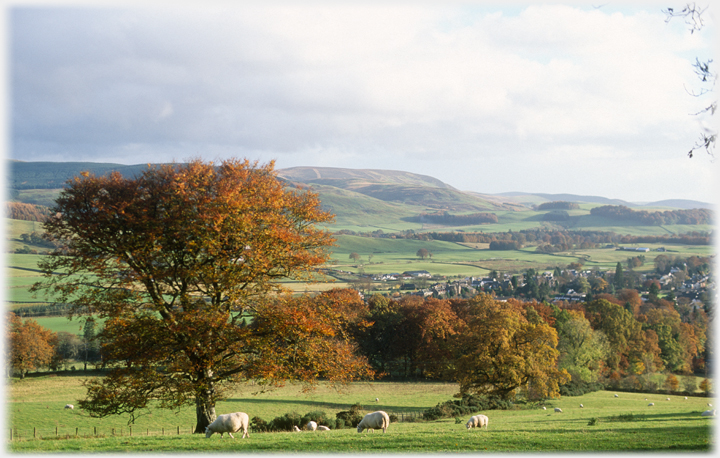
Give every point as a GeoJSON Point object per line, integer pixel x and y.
{"type": "Point", "coordinates": [353, 83]}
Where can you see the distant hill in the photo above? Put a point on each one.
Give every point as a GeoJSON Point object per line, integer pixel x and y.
{"type": "Point", "coordinates": [368, 199]}
{"type": "Point", "coordinates": [534, 198]}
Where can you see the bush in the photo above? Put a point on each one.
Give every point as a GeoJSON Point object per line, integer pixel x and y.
{"type": "Point", "coordinates": [466, 405]}
{"type": "Point", "coordinates": [257, 424]}
{"type": "Point", "coordinates": [579, 388]}
{"type": "Point", "coordinates": [286, 422]}
{"type": "Point", "coordinates": [351, 417]}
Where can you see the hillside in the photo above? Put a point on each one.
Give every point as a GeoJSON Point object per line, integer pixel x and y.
{"type": "Point", "coordinates": [368, 200]}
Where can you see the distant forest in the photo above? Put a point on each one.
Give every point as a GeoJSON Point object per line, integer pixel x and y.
{"type": "Point", "coordinates": [658, 218]}
{"type": "Point", "coordinates": [447, 219]}
{"type": "Point", "coordinates": [558, 205]}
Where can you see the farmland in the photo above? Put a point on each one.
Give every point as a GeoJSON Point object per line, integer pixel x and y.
{"type": "Point", "coordinates": [625, 423]}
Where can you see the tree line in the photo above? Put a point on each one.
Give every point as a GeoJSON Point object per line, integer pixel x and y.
{"type": "Point", "coordinates": [448, 219]}
{"type": "Point", "coordinates": [656, 218]}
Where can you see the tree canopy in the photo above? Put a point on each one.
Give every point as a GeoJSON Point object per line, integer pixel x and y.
{"type": "Point", "coordinates": [183, 261]}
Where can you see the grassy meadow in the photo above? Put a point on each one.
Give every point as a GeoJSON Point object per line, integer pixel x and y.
{"type": "Point", "coordinates": [605, 423]}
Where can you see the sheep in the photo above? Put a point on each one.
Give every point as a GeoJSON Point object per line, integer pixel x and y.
{"type": "Point", "coordinates": [323, 428]}
{"type": "Point", "coordinates": [311, 426]}
{"type": "Point", "coordinates": [667, 399]}
{"type": "Point", "coordinates": [581, 406]}
{"type": "Point", "coordinates": [544, 408]}
{"type": "Point", "coordinates": [709, 405]}
{"type": "Point", "coordinates": [708, 413]}
{"type": "Point", "coordinates": [686, 398]}
{"type": "Point", "coordinates": [558, 409]}
{"type": "Point", "coordinates": [377, 400]}
{"type": "Point", "coordinates": [69, 406]}
{"type": "Point", "coordinates": [374, 420]}
{"type": "Point", "coordinates": [477, 421]}
{"type": "Point", "coordinates": [616, 395]}
{"type": "Point", "coordinates": [295, 429]}
{"type": "Point", "coordinates": [651, 404]}
{"type": "Point", "coordinates": [229, 423]}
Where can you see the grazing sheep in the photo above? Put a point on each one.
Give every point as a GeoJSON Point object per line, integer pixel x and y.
{"type": "Point", "coordinates": [69, 406]}
{"type": "Point", "coordinates": [377, 400]}
{"type": "Point", "coordinates": [323, 428]}
{"type": "Point", "coordinates": [477, 421]}
{"type": "Point", "coordinates": [295, 429]}
{"type": "Point", "coordinates": [667, 399]}
{"type": "Point", "coordinates": [374, 420]}
{"type": "Point", "coordinates": [311, 426]}
{"type": "Point", "coordinates": [581, 406]}
{"type": "Point", "coordinates": [709, 405]}
{"type": "Point", "coordinates": [616, 395]}
{"type": "Point", "coordinates": [544, 408]}
{"type": "Point", "coordinates": [651, 404]}
{"type": "Point", "coordinates": [229, 423]}
{"type": "Point", "coordinates": [685, 397]}
{"type": "Point", "coordinates": [708, 413]}
{"type": "Point", "coordinates": [558, 409]}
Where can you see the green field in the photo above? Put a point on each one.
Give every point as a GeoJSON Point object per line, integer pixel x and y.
{"type": "Point", "coordinates": [625, 423]}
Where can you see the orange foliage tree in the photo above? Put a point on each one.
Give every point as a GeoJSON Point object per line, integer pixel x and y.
{"type": "Point", "coordinates": [183, 262]}
{"type": "Point", "coordinates": [31, 345]}
{"type": "Point", "coordinates": [502, 350]}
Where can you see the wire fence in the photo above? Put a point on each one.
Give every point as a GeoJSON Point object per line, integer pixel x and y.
{"type": "Point", "coordinates": [87, 432]}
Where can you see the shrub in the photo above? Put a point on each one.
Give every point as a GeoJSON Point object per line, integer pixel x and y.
{"type": "Point", "coordinates": [286, 422]}
{"type": "Point", "coordinates": [579, 388]}
{"type": "Point", "coordinates": [593, 421]}
{"type": "Point", "coordinates": [466, 405]}
{"type": "Point", "coordinates": [351, 417]}
{"type": "Point", "coordinates": [257, 424]}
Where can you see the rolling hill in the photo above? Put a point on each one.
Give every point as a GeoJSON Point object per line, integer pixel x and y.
{"type": "Point", "coordinates": [362, 199]}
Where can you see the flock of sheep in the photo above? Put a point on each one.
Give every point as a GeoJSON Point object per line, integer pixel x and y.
{"type": "Point", "coordinates": [234, 422]}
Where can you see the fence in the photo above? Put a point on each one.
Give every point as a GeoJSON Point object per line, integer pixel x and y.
{"type": "Point", "coordinates": [69, 432]}
{"type": "Point", "coordinates": [65, 432]}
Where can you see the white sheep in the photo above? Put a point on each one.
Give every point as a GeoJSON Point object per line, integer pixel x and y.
{"type": "Point", "coordinates": [377, 400]}
{"type": "Point", "coordinates": [544, 408]}
{"type": "Point", "coordinates": [651, 404]}
{"type": "Point", "coordinates": [709, 405]}
{"type": "Point", "coordinates": [477, 421]}
{"type": "Point", "coordinates": [295, 429]}
{"type": "Point", "coordinates": [581, 406]}
{"type": "Point", "coordinates": [616, 395]}
{"type": "Point", "coordinates": [323, 428]}
{"type": "Point", "coordinates": [374, 420]}
{"type": "Point", "coordinates": [708, 413]}
{"type": "Point", "coordinates": [686, 398]}
{"type": "Point", "coordinates": [311, 426]}
{"type": "Point", "coordinates": [667, 399]}
{"type": "Point", "coordinates": [229, 423]}
{"type": "Point", "coordinates": [69, 406]}
{"type": "Point", "coordinates": [558, 409]}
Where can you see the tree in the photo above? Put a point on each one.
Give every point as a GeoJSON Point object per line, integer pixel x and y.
{"type": "Point", "coordinates": [618, 279]}
{"type": "Point", "coordinates": [582, 350]}
{"type": "Point", "coordinates": [500, 351]}
{"type": "Point", "coordinates": [181, 262]}
{"type": "Point", "coordinates": [355, 257]}
{"type": "Point", "coordinates": [693, 16]}
{"type": "Point", "coordinates": [423, 253]}
{"type": "Point", "coordinates": [31, 345]}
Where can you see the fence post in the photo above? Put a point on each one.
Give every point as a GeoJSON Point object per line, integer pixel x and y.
{"type": "Point", "coordinates": [56, 431]}
{"type": "Point", "coordinates": [130, 430]}
{"type": "Point", "coordinates": [76, 432]}
{"type": "Point", "coordinates": [34, 432]}
{"type": "Point", "coordinates": [95, 430]}
{"type": "Point", "coordinates": [178, 430]}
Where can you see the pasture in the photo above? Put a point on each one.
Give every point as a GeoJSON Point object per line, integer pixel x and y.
{"type": "Point", "coordinates": [605, 423]}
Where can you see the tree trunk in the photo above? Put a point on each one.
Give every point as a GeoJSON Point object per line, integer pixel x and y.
{"type": "Point", "coordinates": [204, 411]}
{"type": "Point", "coordinates": [205, 414]}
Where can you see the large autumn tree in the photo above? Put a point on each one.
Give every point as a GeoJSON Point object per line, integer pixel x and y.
{"type": "Point", "coordinates": [183, 262]}
{"type": "Point", "coordinates": [505, 347]}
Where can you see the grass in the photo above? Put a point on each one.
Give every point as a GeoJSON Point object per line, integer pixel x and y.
{"type": "Point", "coordinates": [622, 424]}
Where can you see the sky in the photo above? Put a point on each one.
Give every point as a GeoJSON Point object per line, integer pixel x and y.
{"type": "Point", "coordinates": [574, 97]}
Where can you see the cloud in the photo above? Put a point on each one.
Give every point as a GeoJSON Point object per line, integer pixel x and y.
{"type": "Point", "coordinates": [347, 84]}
